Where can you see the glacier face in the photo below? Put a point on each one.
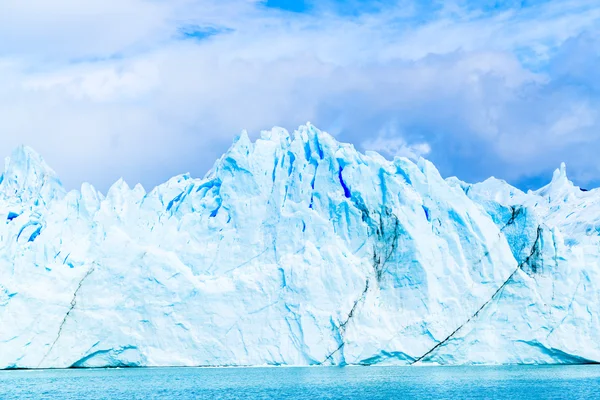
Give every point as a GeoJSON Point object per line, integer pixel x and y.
{"type": "Point", "coordinates": [296, 250]}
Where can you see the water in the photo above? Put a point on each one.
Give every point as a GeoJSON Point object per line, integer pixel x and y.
{"type": "Point", "coordinates": [526, 382]}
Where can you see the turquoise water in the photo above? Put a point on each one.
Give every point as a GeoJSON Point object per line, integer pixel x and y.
{"type": "Point", "coordinates": [526, 382]}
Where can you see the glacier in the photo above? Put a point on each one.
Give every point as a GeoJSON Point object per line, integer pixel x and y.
{"type": "Point", "coordinates": [296, 249]}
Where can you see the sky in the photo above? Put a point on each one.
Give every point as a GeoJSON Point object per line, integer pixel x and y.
{"type": "Point", "coordinates": [147, 89]}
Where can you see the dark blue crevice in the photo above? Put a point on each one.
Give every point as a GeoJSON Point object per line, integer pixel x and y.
{"type": "Point", "coordinates": [216, 210]}
{"type": "Point", "coordinates": [209, 185]}
{"type": "Point", "coordinates": [319, 148]}
{"type": "Point", "coordinates": [35, 234]}
{"type": "Point", "coordinates": [12, 215]}
{"type": "Point", "coordinates": [292, 159]}
{"type": "Point", "coordinates": [403, 174]}
{"type": "Point", "coordinates": [346, 190]}
{"type": "Point", "coordinates": [307, 152]}
{"type": "Point", "coordinates": [274, 169]}
{"type": "Point", "coordinates": [426, 213]}
{"type": "Point", "coordinates": [384, 190]}
{"type": "Point", "coordinates": [175, 199]}
{"type": "Point", "coordinates": [283, 280]}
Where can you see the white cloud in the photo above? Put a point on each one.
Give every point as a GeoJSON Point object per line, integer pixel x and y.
{"type": "Point", "coordinates": [106, 88]}
{"type": "Point", "coordinates": [397, 147]}
{"type": "Point", "coordinates": [102, 84]}
{"type": "Point", "coordinates": [390, 142]}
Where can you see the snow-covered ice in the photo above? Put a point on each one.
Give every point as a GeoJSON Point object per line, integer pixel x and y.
{"type": "Point", "coordinates": [296, 250]}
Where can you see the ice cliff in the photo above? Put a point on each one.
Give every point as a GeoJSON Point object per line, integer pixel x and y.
{"type": "Point", "coordinates": [297, 250]}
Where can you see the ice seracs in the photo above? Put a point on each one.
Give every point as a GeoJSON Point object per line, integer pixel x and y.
{"type": "Point", "coordinates": [27, 179]}
{"type": "Point", "coordinates": [296, 249]}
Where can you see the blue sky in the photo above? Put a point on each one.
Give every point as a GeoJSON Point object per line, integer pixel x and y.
{"type": "Point", "coordinates": [146, 89]}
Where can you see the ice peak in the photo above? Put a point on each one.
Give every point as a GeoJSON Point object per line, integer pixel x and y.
{"type": "Point", "coordinates": [559, 185]}
{"type": "Point", "coordinates": [120, 186]}
{"type": "Point", "coordinates": [27, 176]}
{"type": "Point", "coordinates": [242, 139]}
{"type": "Point", "coordinates": [277, 134]}
{"type": "Point", "coordinates": [560, 174]}
{"type": "Point", "coordinates": [24, 158]}
{"type": "Point", "coordinates": [559, 180]}
{"type": "Point", "coordinates": [308, 131]}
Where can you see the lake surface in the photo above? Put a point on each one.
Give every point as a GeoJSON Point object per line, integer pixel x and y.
{"type": "Point", "coordinates": [526, 382]}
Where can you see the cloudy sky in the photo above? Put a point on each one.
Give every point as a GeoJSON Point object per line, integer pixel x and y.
{"type": "Point", "coordinates": [146, 89]}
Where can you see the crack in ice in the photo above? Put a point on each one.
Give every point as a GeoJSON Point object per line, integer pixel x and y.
{"type": "Point", "coordinates": [64, 320]}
